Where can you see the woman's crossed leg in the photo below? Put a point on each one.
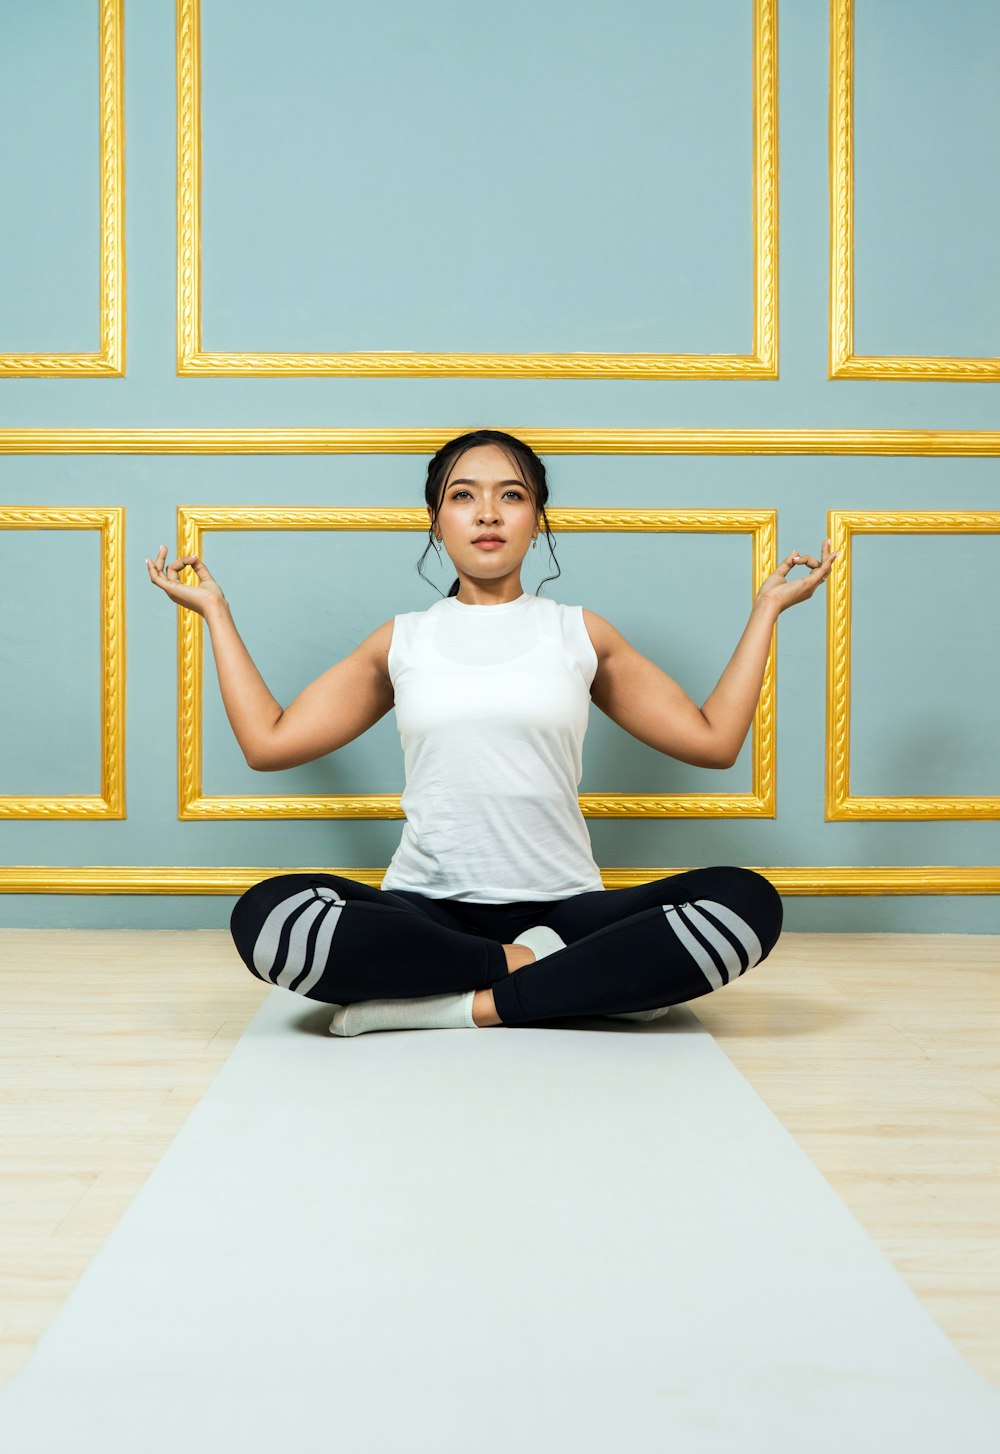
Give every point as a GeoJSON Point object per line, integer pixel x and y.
{"type": "Point", "coordinates": [333, 939]}
{"type": "Point", "coordinates": [659, 943]}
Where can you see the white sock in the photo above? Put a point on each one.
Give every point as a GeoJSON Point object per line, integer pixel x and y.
{"type": "Point", "coordinates": [427, 1012]}
{"type": "Point", "coordinates": [541, 939]}
{"type": "Point", "coordinates": [544, 940]}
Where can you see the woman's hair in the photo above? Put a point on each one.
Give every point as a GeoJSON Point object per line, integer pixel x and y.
{"type": "Point", "coordinates": [532, 471]}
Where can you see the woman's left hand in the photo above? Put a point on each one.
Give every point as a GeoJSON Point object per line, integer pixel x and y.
{"type": "Point", "coordinates": [778, 591]}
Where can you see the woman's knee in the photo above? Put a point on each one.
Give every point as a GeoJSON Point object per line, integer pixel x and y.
{"type": "Point", "coordinates": [743, 900]}
{"type": "Point", "coordinates": [755, 899]}
{"type": "Point", "coordinates": [258, 903]}
{"type": "Point", "coordinates": [280, 922]}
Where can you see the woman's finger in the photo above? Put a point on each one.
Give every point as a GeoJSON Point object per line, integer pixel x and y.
{"type": "Point", "coordinates": [155, 566]}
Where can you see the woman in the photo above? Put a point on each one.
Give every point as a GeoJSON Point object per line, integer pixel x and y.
{"type": "Point", "coordinates": [492, 910]}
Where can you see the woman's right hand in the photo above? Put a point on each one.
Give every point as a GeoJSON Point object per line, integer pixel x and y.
{"type": "Point", "coordinates": [195, 598]}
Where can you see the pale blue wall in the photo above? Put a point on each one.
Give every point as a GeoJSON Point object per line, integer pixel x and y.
{"type": "Point", "coordinates": [546, 176]}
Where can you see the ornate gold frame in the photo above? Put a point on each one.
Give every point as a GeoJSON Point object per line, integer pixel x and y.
{"type": "Point", "coordinates": [762, 363]}
{"type": "Point", "coordinates": [110, 521]}
{"type": "Point", "coordinates": [193, 521]}
{"type": "Point", "coordinates": [844, 363]}
{"type": "Point", "coordinates": [110, 360]}
{"type": "Point", "coordinates": [842, 527]}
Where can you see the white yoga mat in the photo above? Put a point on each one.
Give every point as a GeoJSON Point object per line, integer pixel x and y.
{"type": "Point", "coordinates": [586, 1235]}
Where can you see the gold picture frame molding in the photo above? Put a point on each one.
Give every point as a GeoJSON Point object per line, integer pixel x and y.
{"type": "Point", "coordinates": [761, 363]}
{"type": "Point", "coordinates": [110, 358]}
{"type": "Point", "coordinates": [110, 521]}
{"type": "Point", "coordinates": [844, 363]}
{"type": "Point", "coordinates": [193, 521]}
{"type": "Point", "coordinates": [841, 805]}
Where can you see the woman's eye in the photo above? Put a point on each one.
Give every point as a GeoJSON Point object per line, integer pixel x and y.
{"type": "Point", "coordinates": [516, 493]}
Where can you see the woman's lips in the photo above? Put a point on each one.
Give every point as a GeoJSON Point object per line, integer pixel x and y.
{"type": "Point", "coordinates": [489, 544]}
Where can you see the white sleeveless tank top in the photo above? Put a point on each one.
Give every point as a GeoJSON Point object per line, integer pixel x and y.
{"type": "Point", "coordinates": [492, 705]}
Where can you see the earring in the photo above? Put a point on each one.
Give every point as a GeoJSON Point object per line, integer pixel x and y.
{"type": "Point", "coordinates": [534, 542]}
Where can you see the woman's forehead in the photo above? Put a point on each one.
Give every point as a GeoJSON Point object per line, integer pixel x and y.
{"type": "Point", "coordinates": [485, 464]}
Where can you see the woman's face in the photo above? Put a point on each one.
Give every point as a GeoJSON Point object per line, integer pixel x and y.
{"type": "Point", "coordinates": [484, 494]}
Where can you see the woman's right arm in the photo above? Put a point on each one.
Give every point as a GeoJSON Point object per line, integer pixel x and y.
{"type": "Point", "coordinates": [341, 704]}
{"type": "Point", "coordinates": [350, 696]}
{"type": "Point", "coordinates": [250, 707]}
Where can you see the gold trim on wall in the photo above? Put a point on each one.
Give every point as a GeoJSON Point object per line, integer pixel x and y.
{"type": "Point", "coordinates": [814, 881]}
{"type": "Point", "coordinates": [761, 363]}
{"type": "Point", "coordinates": [952, 443]}
{"type": "Point", "coordinates": [842, 526]}
{"type": "Point", "coordinates": [111, 358]}
{"type": "Point", "coordinates": [844, 363]}
{"type": "Point", "coordinates": [192, 521]}
{"type": "Point", "coordinates": [110, 521]}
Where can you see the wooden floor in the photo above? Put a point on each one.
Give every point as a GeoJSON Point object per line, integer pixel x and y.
{"type": "Point", "coordinates": [880, 1053]}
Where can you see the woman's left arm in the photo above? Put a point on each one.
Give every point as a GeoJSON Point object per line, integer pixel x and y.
{"type": "Point", "coordinates": [730, 708]}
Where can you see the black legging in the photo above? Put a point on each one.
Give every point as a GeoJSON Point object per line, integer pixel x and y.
{"type": "Point", "coordinates": [659, 943]}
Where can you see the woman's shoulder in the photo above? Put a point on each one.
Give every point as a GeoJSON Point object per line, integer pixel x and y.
{"type": "Point", "coordinates": [399, 634]}
{"type": "Point", "coordinates": [600, 631]}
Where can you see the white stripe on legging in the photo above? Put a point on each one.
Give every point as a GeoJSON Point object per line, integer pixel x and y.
{"type": "Point", "coordinates": [725, 948]}
{"type": "Point", "coordinates": [694, 946]}
{"type": "Point", "coordinates": [265, 949]}
{"type": "Point", "coordinates": [739, 928]}
{"type": "Point", "coordinates": [334, 910]}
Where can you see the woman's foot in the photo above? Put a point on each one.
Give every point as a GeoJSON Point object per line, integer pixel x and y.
{"type": "Point", "coordinates": [518, 955]}
{"type": "Point", "coordinates": [484, 1010]}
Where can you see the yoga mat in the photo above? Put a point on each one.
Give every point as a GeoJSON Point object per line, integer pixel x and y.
{"type": "Point", "coordinates": [580, 1234]}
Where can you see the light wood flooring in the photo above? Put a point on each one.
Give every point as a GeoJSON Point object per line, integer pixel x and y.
{"type": "Point", "coordinates": [880, 1054]}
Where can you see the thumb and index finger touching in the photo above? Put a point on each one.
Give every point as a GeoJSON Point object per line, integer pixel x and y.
{"type": "Point", "coordinates": [167, 579]}
{"type": "Point", "coordinates": [797, 558]}
{"type": "Point", "coordinates": [159, 563]}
